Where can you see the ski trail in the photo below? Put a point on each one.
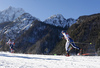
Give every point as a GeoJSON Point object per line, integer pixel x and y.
{"type": "Point", "coordinates": [11, 60]}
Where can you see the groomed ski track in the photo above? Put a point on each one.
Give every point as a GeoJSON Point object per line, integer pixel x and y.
{"type": "Point", "coordinates": [12, 60]}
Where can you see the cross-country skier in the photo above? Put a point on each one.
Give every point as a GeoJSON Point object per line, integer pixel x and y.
{"type": "Point", "coordinates": [11, 44]}
{"type": "Point", "coordinates": [69, 41]}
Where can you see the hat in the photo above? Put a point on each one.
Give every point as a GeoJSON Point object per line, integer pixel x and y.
{"type": "Point", "coordinates": [62, 31]}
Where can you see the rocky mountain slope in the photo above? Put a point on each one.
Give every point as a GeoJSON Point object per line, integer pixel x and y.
{"type": "Point", "coordinates": [85, 31]}
{"type": "Point", "coordinates": [41, 38]}
{"type": "Point", "coordinates": [17, 27]}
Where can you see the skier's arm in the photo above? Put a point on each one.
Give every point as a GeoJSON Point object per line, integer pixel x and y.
{"type": "Point", "coordinates": [62, 37]}
{"type": "Point", "coordinates": [7, 42]}
{"type": "Point", "coordinates": [13, 43]}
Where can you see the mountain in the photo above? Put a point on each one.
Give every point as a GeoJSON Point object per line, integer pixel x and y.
{"type": "Point", "coordinates": [34, 36]}
{"type": "Point", "coordinates": [10, 14]}
{"type": "Point", "coordinates": [59, 20]}
{"type": "Point", "coordinates": [29, 33]}
{"type": "Point", "coordinates": [41, 38]}
{"type": "Point", "coordinates": [26, 31]}
{"type": "Point", "coordinates": [85, 31]}
{"type": "Point", "coordinates": [17, 27]}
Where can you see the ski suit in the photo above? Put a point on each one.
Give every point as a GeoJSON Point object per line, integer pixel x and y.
{"type": "Point", "coordinates": [69, 41]}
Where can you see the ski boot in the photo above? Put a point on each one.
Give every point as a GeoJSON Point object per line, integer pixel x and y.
{"type": "Point", "coordinates": [67, 54]}
{"type": "Point", "coordinates": [79, 52]}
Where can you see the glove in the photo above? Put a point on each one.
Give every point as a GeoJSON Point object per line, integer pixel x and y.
{"type": "Point", "coordinates": [62, 37]}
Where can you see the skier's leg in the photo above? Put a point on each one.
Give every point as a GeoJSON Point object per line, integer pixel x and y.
{"type": "Point", "coordinates": [73, 44]}
{"type": "Point", "coordinates": [66, 47]}
{"type": "Point", "coordinates": [78, 51]}
{"type": "Point", "coordinates": [12, 49]}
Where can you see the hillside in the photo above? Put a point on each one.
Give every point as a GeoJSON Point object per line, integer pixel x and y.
{"type": "Point", "coordinates": [41, 38]}
{"type": "Point", "coordinates": [85, 31]}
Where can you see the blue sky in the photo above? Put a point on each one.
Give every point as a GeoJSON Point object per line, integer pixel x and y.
{"type": "Point", "coordinates": [43, 9]}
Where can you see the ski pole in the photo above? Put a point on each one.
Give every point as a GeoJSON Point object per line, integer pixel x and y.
{"type": "Point", "coordinates": [81, 43]}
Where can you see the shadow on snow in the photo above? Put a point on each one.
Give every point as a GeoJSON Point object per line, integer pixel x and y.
{"type": "Point", "coordinates": [5, 55]}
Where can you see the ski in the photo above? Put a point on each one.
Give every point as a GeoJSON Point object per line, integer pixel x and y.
{"type": "Point", "coordinates": [80, 52]}
{"type": "Point", "coordinates": [88, 54]}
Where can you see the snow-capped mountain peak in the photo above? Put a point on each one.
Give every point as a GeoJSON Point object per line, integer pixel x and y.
{"type": "Point", "coordinates": [56, 16]}
{"type": "Point", "coordinates": [18, 26]}
{"type": "Point", "coordinates": [10, 14]}
{"type": "Point", "coordinates": [13, 9]}
{"type": "Point", "coordinates": [59, 20]}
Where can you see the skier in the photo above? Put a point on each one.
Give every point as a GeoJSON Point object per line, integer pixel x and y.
{"type": "Point", "coordinates": [11, 44]}
{"type": "Point", "coordinates": [69, 41]}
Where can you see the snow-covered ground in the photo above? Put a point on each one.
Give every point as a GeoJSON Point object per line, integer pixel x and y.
{"type": "Point", "coordinates": [11, 60]}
